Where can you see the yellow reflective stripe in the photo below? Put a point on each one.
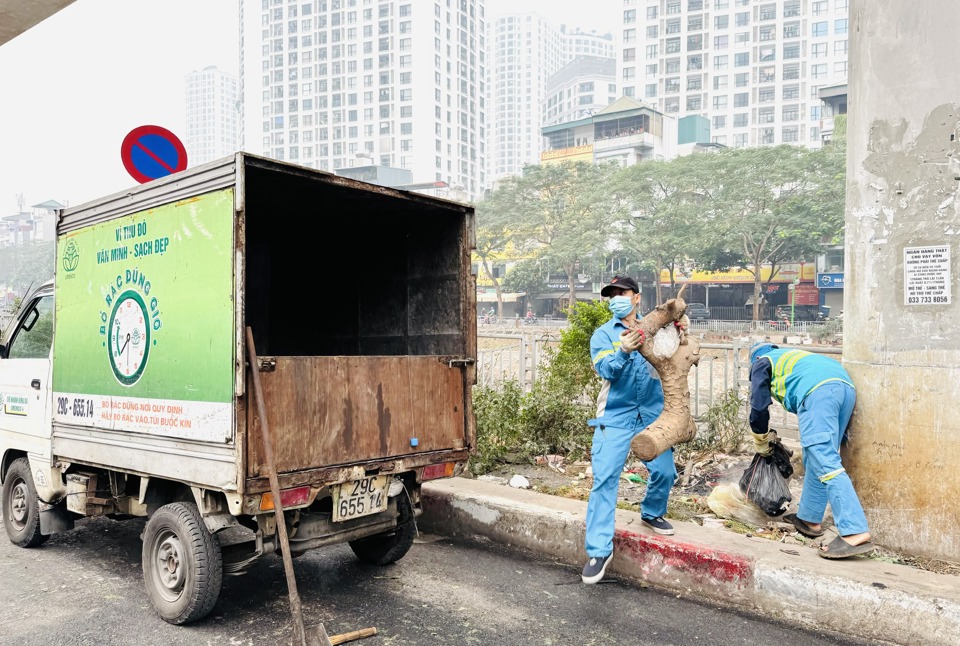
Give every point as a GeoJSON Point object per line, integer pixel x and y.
{"type": "Point", "coordinates": [775, 390]}
{"type": "Point", "coordinates": [844, 381]}
{"type": "Point", "coordinates": [796, 355]}
{"type": "Point", "coordinates": [785, 365]}
{"type": "Point", "coordinates": [602, 354]}
{"type": "Point", "coordinates": [833, 474]}
{"type": "Point", "coordinates": [790, 357]}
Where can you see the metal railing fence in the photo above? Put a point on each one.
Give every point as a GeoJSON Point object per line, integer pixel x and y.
{"type": "Point", "coordinates": [827, 328]}
{"type": "Point", "coordinates": [722, 367]}
{"type": "Point", "coordinates": [511, 357]}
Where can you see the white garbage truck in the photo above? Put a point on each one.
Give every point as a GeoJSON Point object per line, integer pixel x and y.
{"type": "Point", "coordinates": [126, 383]}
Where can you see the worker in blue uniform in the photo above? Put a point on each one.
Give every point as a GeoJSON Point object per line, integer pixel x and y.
{"type": "Point", "coordinates": [630, 399]}
{"type": "Point", "coordinates": [821, 393]}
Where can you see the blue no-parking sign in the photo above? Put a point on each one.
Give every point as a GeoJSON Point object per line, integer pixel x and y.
{"type": "Point", "coordinates": [151, 152]}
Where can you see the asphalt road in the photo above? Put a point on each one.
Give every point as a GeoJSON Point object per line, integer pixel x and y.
{"type": "Point", "coordinates": [85, 587]}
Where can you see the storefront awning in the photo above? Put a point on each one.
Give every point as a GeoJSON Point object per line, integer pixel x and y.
{"type": "Point", "coordinates": [555, 296]}
{"type": "Point", "coordinates": [508, 297]}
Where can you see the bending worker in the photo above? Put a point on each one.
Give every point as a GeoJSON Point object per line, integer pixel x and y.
{"type": "Point", "coordinates": [820, 392]}
{"type": "Point", "coordinates": [630, 399]}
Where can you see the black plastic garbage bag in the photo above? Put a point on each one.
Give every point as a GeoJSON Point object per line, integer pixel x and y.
{"type": "Point", "coordinates": [764, 484]}
{"type": "Point", "coordinates": [781, 457]}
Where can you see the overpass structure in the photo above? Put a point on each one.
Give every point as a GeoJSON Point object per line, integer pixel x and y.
{"type": "Point", "coordinates": [17, 16]}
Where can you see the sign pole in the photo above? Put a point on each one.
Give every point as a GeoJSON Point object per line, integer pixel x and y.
{"type": "Point", "coordinates": [793, 298]}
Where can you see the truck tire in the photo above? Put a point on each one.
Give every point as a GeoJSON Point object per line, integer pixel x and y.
{"type": "Point", "coordinates": [182, 564]}
{"type": "Point", "coordinates": [389, 547]}
{"type": "Point", "coordinates": [21, 508]}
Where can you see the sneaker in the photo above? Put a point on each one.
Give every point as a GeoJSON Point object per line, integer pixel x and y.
{"type": "Point", "coordinates": [659, 525]}
{"type": "Point", "coordinates": [595, 568]}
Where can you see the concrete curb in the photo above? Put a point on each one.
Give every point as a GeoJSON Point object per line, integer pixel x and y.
{"type": "Point", "coordinates": [862, 598]}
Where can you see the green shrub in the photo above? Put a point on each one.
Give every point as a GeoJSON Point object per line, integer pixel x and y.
{"type": "Point", "coordinates": [564, 397]}
{"type": "Point", "coordinates": [552, 417]}
{"type": "Point", "coordinates": [829, 330]}
{"type": "Point", "coordinates": [571, 363]}
{"type": "Point", "coordinates": [721, 429]}
{"type": "Point", "coordinates": [498, 412]}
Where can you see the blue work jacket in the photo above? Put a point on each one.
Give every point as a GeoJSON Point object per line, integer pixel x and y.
{"type": "Point", "coordinates": [631, 396]}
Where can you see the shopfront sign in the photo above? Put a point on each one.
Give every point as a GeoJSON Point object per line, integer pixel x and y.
{"type": "Point", "coordinates": [830, 281]}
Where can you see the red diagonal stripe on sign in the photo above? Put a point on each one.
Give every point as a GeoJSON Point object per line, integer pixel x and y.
{"type": "Point", "coordinates": [152, 156]}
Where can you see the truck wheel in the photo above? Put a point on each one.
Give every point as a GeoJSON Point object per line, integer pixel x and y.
{"type": "Point", "coordinates": [390, 547]}
{"type": "Point", "coordinates": [21, 509]}
{"type": "Point", "coordinates": [182, 564]}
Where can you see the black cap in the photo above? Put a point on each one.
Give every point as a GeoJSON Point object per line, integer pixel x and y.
{"type": "Point", "coordinates": [623, 282]}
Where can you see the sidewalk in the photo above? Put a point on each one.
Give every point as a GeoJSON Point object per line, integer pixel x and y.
{"type": "Point", "coordinates": [862, 598]}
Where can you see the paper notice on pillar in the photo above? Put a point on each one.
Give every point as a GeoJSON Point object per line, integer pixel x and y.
{"type": "Point", "coordinates": [926, 275]}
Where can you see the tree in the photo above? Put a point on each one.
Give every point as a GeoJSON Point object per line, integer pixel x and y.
{"type": "Point", "coordinates": [526, 276]}
{"type": "Point", "coordinates": [494, 236]}
{"type": "Point", "coordinates": [27, 265]}
{"type": "Point", "coordinates": [659, 217]}
{"type": "Point", "coordinates": [748, 208]}
{"type": "Point", "coordinates": [559, 211]}
{"type": "Point", "coordinates": [776, 204]}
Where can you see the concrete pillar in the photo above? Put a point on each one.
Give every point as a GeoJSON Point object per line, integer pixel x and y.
{"type": "Point", "coordinates": [902, 331]}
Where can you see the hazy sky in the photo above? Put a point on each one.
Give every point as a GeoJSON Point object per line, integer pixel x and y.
{"type": "Point", "coordinates": [77, 83]}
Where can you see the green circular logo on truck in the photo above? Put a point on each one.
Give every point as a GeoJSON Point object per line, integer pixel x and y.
{"type": "Point", "coordinates": [128, 337]}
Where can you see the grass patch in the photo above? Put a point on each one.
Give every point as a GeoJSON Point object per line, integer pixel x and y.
{"type": "Point", "coordinates": [564, 491]}
{"type": "Point", "coordinates": [739, 528]}
{"type": "Point", "coordinates": [686, 507]}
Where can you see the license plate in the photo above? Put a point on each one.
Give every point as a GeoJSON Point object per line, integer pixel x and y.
{"type": "Point", "coordinates": [359, 498]}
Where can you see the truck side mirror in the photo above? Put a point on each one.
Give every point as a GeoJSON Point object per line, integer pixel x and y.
{"type": "Point", "coordinates": [30, 319]}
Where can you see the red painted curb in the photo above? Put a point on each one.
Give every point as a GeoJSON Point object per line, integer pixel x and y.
{"type": "Point", "coordinates": [702, 563]}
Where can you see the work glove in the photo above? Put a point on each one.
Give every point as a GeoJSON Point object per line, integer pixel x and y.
{"type": "Point", "coordinates": [763, 442]}
{"type": "Point", "coordinates": [630, 340]}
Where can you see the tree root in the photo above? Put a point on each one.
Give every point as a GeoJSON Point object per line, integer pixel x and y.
{"type": "Point", "coordinates": [675, 424]}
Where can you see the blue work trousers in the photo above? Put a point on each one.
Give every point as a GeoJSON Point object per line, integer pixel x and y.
{"type": "Point", "coordinates": [824, 416]}
{"type": "Point", "coordinates": [608, 455]}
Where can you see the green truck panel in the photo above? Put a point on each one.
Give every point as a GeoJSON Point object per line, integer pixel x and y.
{"type": "Point", "coordinates": [145, 321]}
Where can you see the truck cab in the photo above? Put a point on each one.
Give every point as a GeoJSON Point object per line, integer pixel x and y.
{"type": "Point", "coordinates": [25, 410]}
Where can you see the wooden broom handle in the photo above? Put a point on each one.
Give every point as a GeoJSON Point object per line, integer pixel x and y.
{"type": "Point", "coordinates": [356, 634]}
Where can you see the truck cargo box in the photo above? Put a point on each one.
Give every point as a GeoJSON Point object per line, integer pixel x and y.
{"type": "Point", "coordinates": [361, 303]}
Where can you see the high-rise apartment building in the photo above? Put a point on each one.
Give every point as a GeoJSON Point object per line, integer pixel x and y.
{"type": "Point", "coordinates": [212, 115]}
{"type": "Point", "coordinates": [400, 81]}
{"type": "Point", "coordinates": [580, 88]}
{"type": "Point", "coordinates": [753, 67]}
{"type": "Point", "coordinates": [526, 50]}
{"type": "Point", "coordinates": [579, 43]}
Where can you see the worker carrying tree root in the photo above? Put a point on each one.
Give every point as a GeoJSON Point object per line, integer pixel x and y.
{"type": "Point", "coordinates": [820, 392]}
{"type": "Point", "coordinates": [630, 399]}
